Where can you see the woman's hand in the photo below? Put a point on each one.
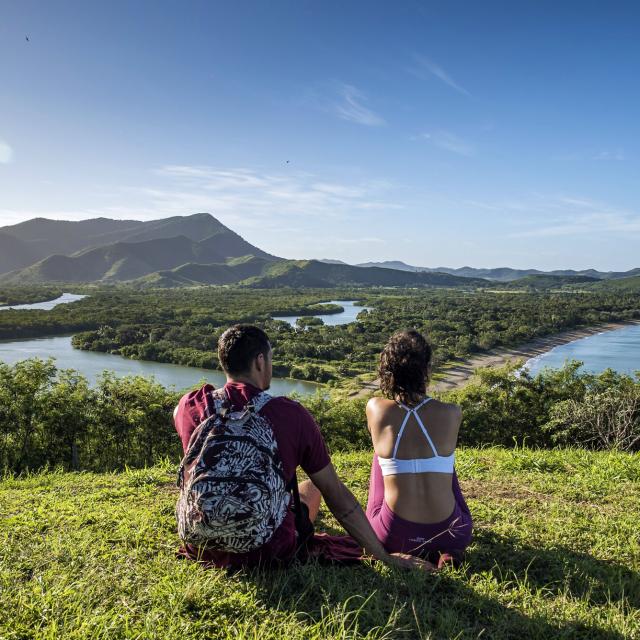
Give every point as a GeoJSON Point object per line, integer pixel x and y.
{"type": "Point", "coordinates": [406, 561]}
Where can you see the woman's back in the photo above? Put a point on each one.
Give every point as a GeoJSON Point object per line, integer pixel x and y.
{"type": "Point", "coordinates": [424, 497]}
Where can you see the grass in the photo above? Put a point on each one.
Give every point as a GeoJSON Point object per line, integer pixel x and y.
{"type": "Point", "coordinates": [556, 554]}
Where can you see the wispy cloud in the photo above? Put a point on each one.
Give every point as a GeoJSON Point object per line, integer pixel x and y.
{"type": "Point", "coordinates": [592, 224]}
{"type": "Point", "coordinates": [450, 142]}
{"type": "Point", "coordinates": [557, 216]}
{"type": "Point", "coordinates": [244, 196]}
{"type": "Point", "coordinates": [610, 155]}
{"type": "Point", "coordinates": [581, 156]}
{"type": "Point", "coordinates": [6, 152]}
{"type": "Point", "coordinates": [351, 107]}
{"type": "Point", "coordinates": [426, 67]}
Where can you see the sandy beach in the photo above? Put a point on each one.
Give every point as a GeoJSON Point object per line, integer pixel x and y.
{"type": "Point", "coordinates": [458, 374]}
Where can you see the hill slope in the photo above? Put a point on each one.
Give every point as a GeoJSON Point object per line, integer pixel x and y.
{"type": "Point", "coordinates": [313, 273]}
{"type": "Point", "coordinates": [40, 238]}
{"type": "Point", "coordinates": [544, 281]}
{"type": "Point", "coordinates": [124, 261]}
{"type": "Point", "coordinates": [503, 274]}
{"type": "Point", "coordinates": [555, 555]}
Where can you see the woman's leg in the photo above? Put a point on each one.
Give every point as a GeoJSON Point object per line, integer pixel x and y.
{"type": "Point", "coordinates": [311, 496]}
{"type": "Point", "coordinates": [376, 489]}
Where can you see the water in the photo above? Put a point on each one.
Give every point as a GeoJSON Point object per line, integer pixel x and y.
{"type": "Point", "coordinates": [618, 349]}
{"type": "Point", "coordinates": [65, 298]}
{"type": "Point", "coordinates": [332, 319]}
{"type": "Point", "coordinates": [91, 364]}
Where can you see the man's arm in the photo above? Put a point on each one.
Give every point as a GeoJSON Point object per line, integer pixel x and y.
{"type": "Point", "coordinates": [347, 510]}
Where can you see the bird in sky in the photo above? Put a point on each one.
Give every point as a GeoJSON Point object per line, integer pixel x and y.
{"type": "Point", "coordinates": [27, 38]}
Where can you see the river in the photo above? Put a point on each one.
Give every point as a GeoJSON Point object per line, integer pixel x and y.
{"type": "Point", "coordinates": [618, 349]}
{"type": "Point", "coordinates": [350, 313]}
{"type": "Point", "coordinates": [65, 298]}
{"type": "Point", "coordinates": [91, 364]}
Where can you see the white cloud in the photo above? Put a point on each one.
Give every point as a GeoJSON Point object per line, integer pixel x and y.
{"type": "Point", "coordinates": [362, 240]}
{"type": "Point", "coordinates": [570, 216]}
{"type": "Point", "coordinates": [351, 108]}
{"type": "Point", "coordinates": [610, 155]}
{"type": "Point", "coordinates": [6, 152]}
{"type": "Point", "coordinates": [426, 66]}
{"type": "Point", "coordinates": [449, 142]}
{"type": "Point", "coordinates": [244, 196]}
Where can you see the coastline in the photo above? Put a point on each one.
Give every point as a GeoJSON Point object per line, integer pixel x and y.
{"type": "Point", "coordinates": [459, 373]}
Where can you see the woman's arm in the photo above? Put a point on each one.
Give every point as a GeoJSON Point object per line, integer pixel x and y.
{"type": "Point", "coordinates": [347, 510]}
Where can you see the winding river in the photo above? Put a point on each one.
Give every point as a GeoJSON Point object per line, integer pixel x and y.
{"type": "Point", "coordinates": [92, 364]}
{"type": "Point", "coordinates": [65, 298]}
{"type": "Point", "coordinates": [350, 313]}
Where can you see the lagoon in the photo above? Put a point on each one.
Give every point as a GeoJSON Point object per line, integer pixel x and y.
{"type": "Point", "coordinates": [350, 313]}
{"type": "Point", "coordinates": [91, 364]}
{"type": "Point", "coordinates": [618, 350]}
{"type": "Point", "coordinates": [65, 298]}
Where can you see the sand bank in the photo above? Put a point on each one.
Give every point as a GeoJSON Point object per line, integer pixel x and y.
{"type": "Point", "coordinates": [458, 373]}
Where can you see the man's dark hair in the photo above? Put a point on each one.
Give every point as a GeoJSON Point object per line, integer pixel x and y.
{"type": "Point", "coordinates": [239, 345]}
{"type": "Point", "coordinates": [404, 366]}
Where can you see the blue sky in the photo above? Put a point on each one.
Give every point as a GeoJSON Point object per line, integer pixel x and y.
{"type": "Point", "coordinates": [442, 134]}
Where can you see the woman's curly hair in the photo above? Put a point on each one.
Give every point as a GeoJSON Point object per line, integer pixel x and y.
{"type": "Point", "coordinates": [404, 366]}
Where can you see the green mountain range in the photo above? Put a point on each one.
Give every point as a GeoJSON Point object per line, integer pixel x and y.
{"type": "Point", "coordinates": [503, 274]}
{"type": "Point", "coordinates": [199, 250]}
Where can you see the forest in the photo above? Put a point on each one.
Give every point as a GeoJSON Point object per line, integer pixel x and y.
{"type": "Point", "coordinates": [54, 418]}
{"type": "Point", "coordinates": [182, 326]}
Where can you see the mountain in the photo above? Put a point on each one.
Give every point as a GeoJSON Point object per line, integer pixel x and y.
{"type": "Point", "coordinates": [545, 281]}
{"type": "Point", "coordinates": [14, 253]}
{"type": "Point", "coordinates": [393, 264]}
{"type": "Point", "coordinates": [193, 274]}
{"type": "Point", "coordinates": [121, 261]}
{"type": "Point", "coordinates": [622, 285]}
{"type": "Point", "coordinates": [502, 274]}
{"type": "Point", "coordinates": [40, 238]}
{"type": "Point", "coordinates": [313, 273]}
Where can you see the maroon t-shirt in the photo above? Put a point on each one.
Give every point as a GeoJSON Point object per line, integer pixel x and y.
{"type": "Point", "coordinates": [300, 443]}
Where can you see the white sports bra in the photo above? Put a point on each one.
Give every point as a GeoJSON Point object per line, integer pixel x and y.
{"type": "Point", "coordinates": [435, 464]}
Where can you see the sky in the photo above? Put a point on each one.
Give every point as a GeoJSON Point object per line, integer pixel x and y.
{"type": "Point", "coordinates": [485, 134]}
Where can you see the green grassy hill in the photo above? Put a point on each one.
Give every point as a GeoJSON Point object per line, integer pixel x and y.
{"type": "Point", "coordinates": [314, 273]}
{"type": "Point", "coordinates": [124, 261]}
{"type": "Point", "coordinates": [623, 285]}
{"type": "Point", "coordinates": [545, 281]}
{"type": "Point", "coordinates": [556, 555]}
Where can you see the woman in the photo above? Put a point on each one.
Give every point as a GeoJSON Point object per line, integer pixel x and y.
{"type": "Point", "coordinates": [415, 504]}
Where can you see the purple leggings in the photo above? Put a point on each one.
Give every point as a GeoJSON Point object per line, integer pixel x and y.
{"type": "Point", "coordinates": [451, 536]}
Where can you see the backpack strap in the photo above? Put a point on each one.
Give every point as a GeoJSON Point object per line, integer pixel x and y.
{"type": "Point", "coordinates": [258, 402]}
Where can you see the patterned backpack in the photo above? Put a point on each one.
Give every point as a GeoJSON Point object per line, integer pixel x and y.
{"type": "Point", "coordinates": [233, 493]}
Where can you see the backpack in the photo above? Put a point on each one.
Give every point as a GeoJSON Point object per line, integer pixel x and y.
{"type": "Point", "coordinates": [233, 493]}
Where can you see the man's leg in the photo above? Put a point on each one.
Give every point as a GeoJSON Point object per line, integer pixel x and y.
{"type": "Point", "coordinates": [311, 496]}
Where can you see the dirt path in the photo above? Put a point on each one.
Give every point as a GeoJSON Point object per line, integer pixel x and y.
{"type": "Point", "coordinates": [458, 374]}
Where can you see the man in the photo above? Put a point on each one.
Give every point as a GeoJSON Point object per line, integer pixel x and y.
{"type": "Point", "coordinates": [246, 357]}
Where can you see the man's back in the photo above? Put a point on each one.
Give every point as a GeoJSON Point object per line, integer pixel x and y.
{"type": "Point", "coordinates": [300, 443]}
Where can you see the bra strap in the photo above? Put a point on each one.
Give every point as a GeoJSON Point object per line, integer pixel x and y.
{"type": "Point", "coordinates": [404, 424]}
{"type": "Point", "coordinates": [427, 436]}
{"type": "Point", "coordinates": [409, 411]}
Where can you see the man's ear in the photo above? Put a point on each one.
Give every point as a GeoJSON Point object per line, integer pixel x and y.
{"type": "Point", "coordinates": [260, 362]}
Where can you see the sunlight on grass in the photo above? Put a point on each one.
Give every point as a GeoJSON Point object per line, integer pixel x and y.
{"type": "Point", "coordinates": [555, 554]}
